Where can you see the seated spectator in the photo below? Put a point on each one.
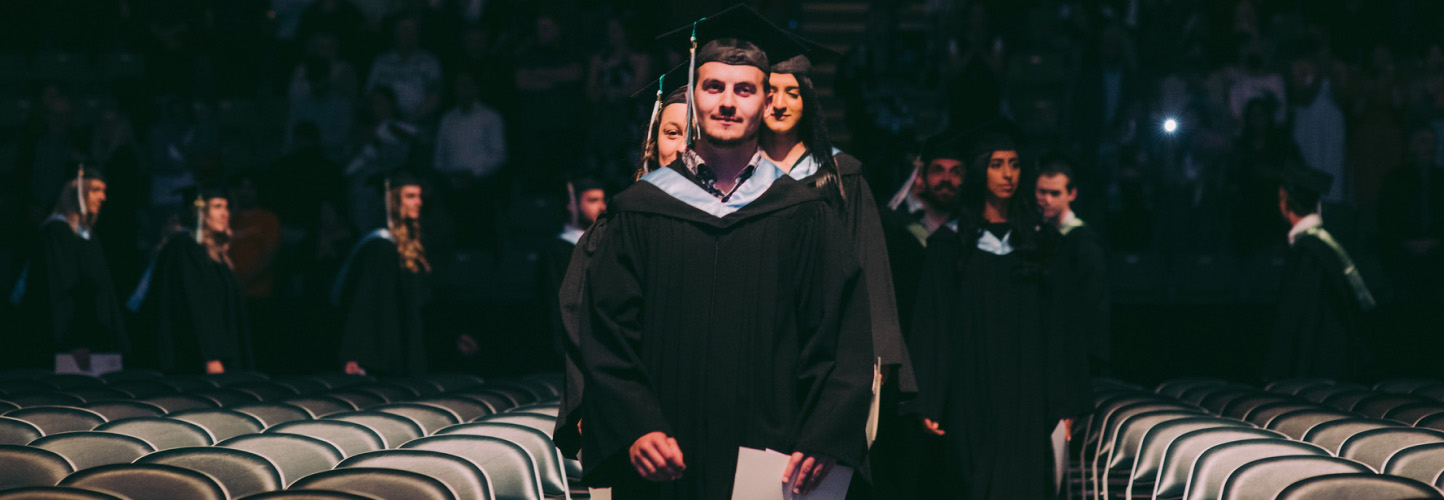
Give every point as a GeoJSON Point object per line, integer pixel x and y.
{"type": "Point", "coordinates": [342, 78]}
{"type": "Point", "coordinates": [413, 74]}
{"type": "Point", "coordinates": [327, 109]}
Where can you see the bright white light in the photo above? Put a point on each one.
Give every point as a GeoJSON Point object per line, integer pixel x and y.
{"type": "Point", "coordinates": [1170, 125]}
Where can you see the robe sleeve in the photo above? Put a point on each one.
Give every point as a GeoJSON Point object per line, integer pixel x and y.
{"type": "Point", "coordinates": [934, 314]}
{"type": "Point", "coordinates": [62, 289]}
{"type": "Point", "coordinates": [572, 298]}
{"type": "Point", "coordinates": [205, 307]}
{"type": "Point", "coordinates": [622, 403]}
{"type": "Point", "coordinates": [1067, 346]}
{"type": "Point", "coordinates": [1297, 320]}
{"type": "Point", "coordinates": [871, 246]}
{"type": "Point", "coordinates": [1093, 298]}
{"type": "Point", "coordinates": [371, 305]}
{"type": "Point", "coordinates": [835, 370]}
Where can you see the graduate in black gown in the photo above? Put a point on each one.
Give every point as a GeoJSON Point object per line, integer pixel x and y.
{"type": "Point", "coordinates": [996, 373]}
{"type": "Point", "coordinates": [727, 309]}
{"type": "Point", "coordinates": [190, 294]}
{"type": "Point", "coordinates": [927, 201]}
{"type": "Point", "coordinates": [381, 289]}
{"type": "Point", "coordinates": [586, 201]}
{"type": "Point", "coordinates": [1321, 299]}
{"type": "Point", "coordinates": [65, 292]}
{"type": "Point", "coordinates": [1083, 259]}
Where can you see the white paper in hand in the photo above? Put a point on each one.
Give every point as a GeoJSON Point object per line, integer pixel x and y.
{"type": "Point", "coordinates": [759, 477]}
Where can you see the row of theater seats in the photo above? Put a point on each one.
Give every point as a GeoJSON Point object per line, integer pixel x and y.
{"type": "Point", "coordinates": [142, 435]}
{"type": "Point", "coordinates": [1301, 439]}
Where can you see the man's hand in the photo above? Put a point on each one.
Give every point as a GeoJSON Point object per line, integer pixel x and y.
{"type": "Point", "coordinates": [82, 358]}
{"type": "Point", "coordinates": [932, 427]}
{"type": "Point", "coordinates": [214, 367]}
{"type": "Point", "coordinates": [1068, 429]}
{"type": "Point", "coordinates": [354, 368]}
{"type": "Point", "coordinates": [657, 457]}
{"type": "Point", "coordinates": [810, 471]}
{"type": "Point", "coordinates": [467, 345]}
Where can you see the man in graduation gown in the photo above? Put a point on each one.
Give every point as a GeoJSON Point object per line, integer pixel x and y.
{"type": "Point", "coordinates": [66, 291]}
{"type": "Point", "coordinates": [191, 294]}
{"type": "Point", "coordinates": [1322, 296]}
{"type": "Point", "coordinates": [927, 201]}
{"type": "Point", "coordinates": [1083, 260]}
{"type": "Point", "coordinates": [381, 289]}
{"type": "Point", "coordinates": [586, 202]}
{"type": "Point", "coordinates": [725, 310]}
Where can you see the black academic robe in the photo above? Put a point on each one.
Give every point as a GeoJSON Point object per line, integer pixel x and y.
{"type": "Point", "coordinates": [1086, 262]}
{"type": "Point", "coordinates": [744, 330]}
{"type": "Point", "coordinates": [573, 317]}
{"type": "Point", "coordinates": [906, 245]}
{"type": "Point", "coordinates": [994, 368]}
{"type": "Point", "coordinates": [69, 298]}
{"type": "Point", "coordinates": [1315, 325]}
{"type": "Point", "coordinates": [198, 309]}
{"type": "Point", "coordinates": [381, 310]}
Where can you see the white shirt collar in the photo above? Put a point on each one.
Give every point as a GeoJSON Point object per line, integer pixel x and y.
{"type": "Point", "coordinates": [1309, 221]}
{"type": "Point", "coordinates": [572, 234]}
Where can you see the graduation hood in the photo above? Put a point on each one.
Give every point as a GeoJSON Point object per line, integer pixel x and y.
{"type": "Point", "coordinates": [672, 193]}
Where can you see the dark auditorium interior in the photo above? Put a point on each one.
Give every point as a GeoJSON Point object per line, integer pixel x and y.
{"type": "Point", "coordinates": [1181, 116]}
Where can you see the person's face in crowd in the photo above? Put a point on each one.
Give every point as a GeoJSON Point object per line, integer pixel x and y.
{"type": "Point", "coordinates": [1054, 195]}
{"type": "Point", "coordinates": [218, 215]}
{"type": "Point", "coordinates": [1421, 148]}
{"type": "Point", "coordinates": [1303, 73]}
{"type": "Point", "coordinates": [785, 109]}
{"type": "Point", "coordinates": [941, 179]}
{"type": "Point", "coordinates": [547, 31]}
{"type": "Point", "coordinates": [410, 202]}
{"type": "Point", "coordinates": [729, 101]}
{"type": "Point", "coordinates": [94, 196]}
{"type": "Point", "coordinates": [408, 34]}
{"type": "Point", "coordinates": [591, 204]}
{"type": "Point", "coordinates": [1003, 170]}
{"type": "Point", "coordinates": [670, 133]}
{"type": "Point", "coordinates": [466, 91]}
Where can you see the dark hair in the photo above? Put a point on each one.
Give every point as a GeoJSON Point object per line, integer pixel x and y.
{"type": "Point", "coordinates": [813, 131]}
{"type": "Point", "coordinates": [1056, 163]}
{"type": "Point", "coordinates": [1299, 202]}
{"type": "Point", "coordinates": [1031, 239]}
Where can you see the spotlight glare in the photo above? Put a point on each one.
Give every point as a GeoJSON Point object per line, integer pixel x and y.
{"type": "Point", "coordinates": [1170, 125]}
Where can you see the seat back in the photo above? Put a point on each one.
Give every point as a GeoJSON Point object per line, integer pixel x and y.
{"type": "Point", "coordinates": [349, 437]}
{"type": "Point", "coordinates": [294, 456]}
{"type": "Point", "coordinates": [147, 482]}
{"type": "Point", "coordinates": [1198, 395]}
{"type": "Point", "coordinates": [1297, 423]}
{"type": "Point", "coordinates": [1357, 486]}
{"type": "Point", "coordinates": [1263, 414]}
{"type": "Point", "coordinates": [173, 403]}
{"type": "Point", "coordinates": [118, 409]}
{"type": "Point", "coordinates": [1217, 399]}
{"type": "Point", "coordinates": [464, 408]}
{"type": "Point", "coordinates": [270, 414]}
{"type": "Point", "coordinates": [1183, 453]}
{"type": "Point", "coordinates": [306, 495]}
{"type": "Point", "coordinates": [16, 431]}
{"type": "Point", "coordinates": [46, 398]}
{"type": "Point", "coordinates": [1215, 465]}
{"type": "Point", "coordinates": [161, 432]}
{"type": "Point", "coordinates": [1345, 400]}
{"type": "Point", "coordinates": [1240, 408]}
{"type": "Point", "coordinates": [320, 406]}
{"type": "Point", "coordinates": [357, 398]}
{"type": "Point", "coordinates": [1374, 447]}
{"type": "Point", "coordinates": [1424, 462]}
{"type": "Point", "coordinates": [1381, 404]}
{"type": "Point", "coordinates": [1155, 442]}
{"type": "Point", "coordinates": [538, 422]}
{"type": "Point", "coordinates": [1130, 433]}
{"type": "Point", "coordinates": [549, 464]}
{"type": "Point", "coordinates": [240, 472]}
{"type": "Point", "coordinates": [1318, 394]}
{"type": "Point", "coordinates": [466, 479]}
{"type": "Point", "coordinates": [222, 424]}
{"type": "Point", "coordinates": [55, 493]}
{"type": "Point", "coordinates": [389, 392]}
{"type": "Point", "coordinates": [1175, 388]}
{"type": "Point", "coordinates": [496, 401]}
{"type": "Point", "coordinates": [377, 483]}
{"type": "Point", "coordinates": [1435, 422]}
{"type": "Point", "coordinates": [431, 418]}
{"type": "Point", "coordinates": [93, 449]}
{"type": "Point", "coordinates": [1294, 386]}
{"type": "Point", "coordinates": [22, 466]}
{"type": "Point", "coordinates": [1332, 434]}
{"type": "Point", "coordinates": [1266, 478]}
{"type": "Point", "coordinates": [511, 468]}
{"type": "Point", "coordinates": [393, 429]}
{"type": "Point", "coordinates": [57, 419]}
{"type": "Point", "coordinates": [1403, 385]}
{"type": "Point", "coordinates": [1412, 413]}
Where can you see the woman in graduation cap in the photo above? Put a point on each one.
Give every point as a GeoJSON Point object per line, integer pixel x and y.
{"type": "Point", "coordinates": [381, 289]}
{"type": "Point", "coordinates": [66, 290]}
{"type": "Point", "coordinates": [996, 372]}
{"type": "Point", "coordinates": [191, 294]}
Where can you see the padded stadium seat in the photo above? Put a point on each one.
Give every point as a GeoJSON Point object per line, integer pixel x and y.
{"type": "Point", "coordinates": [68, 381]}
{"type": "Point", "coordinates": [1214, 466]}
{"type": "Point", "coordinates": [1423, 462]}
{"type": "Point", "coordinates": [1296, 424]}
{"type": "Point", "coordinates": [6, 406]}
{"type": "Point", "coordinates": [389, 392]}
{"type": "Point", "coordinates": [452, 382]}
{"type": "Point", "coordinates": [232, 378]}
{"type": "Point", "coordinates": [510, 469]}
{"type": "Point", "coordinates": [351, 438]}
{"type": "Point", "coordinates": [1412, 413]}
{"type": "Point", "coordinates": [1345, 401]}
{"type": "Point", "coordinates": [1320, 393]}
{"type": "Point", "coordinates": [130, 374]}
{"type": "Point", "coordinates": [1183, 453]}
{"type": "Point", "coordinates": [358, 398]}
{"type": "Point", "coordinates": [320, 406]}
{"type": "Point", "coordinates": [339, 380]}
{"type": "Point", "coordinates": [1113, 419]}
{"type": "Point", "coordinates": [24, 385]}
{"type": "Point", "coordinates": [181, 402]}
{"type": "Point", "coordinates": [1156, 441]}
{"type": "Point", "coordinates": [57, 419]}
{"type": "Point", "coordinates": [1266, 478]}
{"type": "Point", "coordinates": [1263, 414]}
{"type": "Point", "coordinates": [1434, 392]}
{"type": "Point", "coordinates": [538, 422]}
{"type": "Point", "coordinates": [306, 495]}
{"type": "Point", "coordinates": [295, 456]}
{"type": "Point", "coordinates": [189, 383]}
{"type": "Point", "coordinates": [267, 390]}
{"type": "Point", "coordinates": [144, 388]}
{"type": "Point", "coordinates": [549, 464]}
{"type": "Point", "coordinates": [418, 388]}
{"type": "Point", "coordinates": [1294, 386]}
{"type": "Point", "coordinates": [1175, 388]}
{"type": "Point", "coordinates": [16, 431]}
{"type": "Point", "coordinates": [302, 385]}
{"type": "Point", "coordinates": [48, 398]}
{"type": "Point", "coordinates": [147, 482]}
{"type": "Point", "coordinates": [1435, 422]}
{"type": "Point", "coordinates": [431, 418]}
{"type": "Point", "coordinates": [1373, 448]}
{"type": "Point", "coordinates": [1220, 396]}
{"type": "Point", "coordinates": [497, 402]}
{"type": "Point", "coordinates": [161, 432]}
{"type": "Point", "coordinates": [467, 480]}
{"type": "Point", "coordinates": [1358, 487]}
{"type": "Point", "coordinates": [118, 409]}
{"type": "Point", "coordinates": [1381, 404]}
{"type": "Point", "coordinates": [90, 394]}
{"type": "Point", "coordinates": [543, 409]}
{"type": "Point", "coordinates": [1196, 395]}
{"type": "Point", "coordinates": [22, 466]}
{"type": "Point", "coordinates": [1332, 434]}
{"type": "Point", "coordinates": [1123, 451]}
{"type": "Point", "coordinates": [467, 409]}
{"type": "Point", "coordinates": [536, 390]}
{"type": "Point", "coordinates": [93, 449]}
{"type": "Point", "coordinates": [222, 424]}
{"type": "Point", "coordinates": [519, 395]}
{"type": "Point", "coordinates": [240, 472]}
{"type": "Point", "coordinates": [381, 484]}
{"type": "Point", "coordinates": [275, 413]}
{"type": "Point", "coordinates": [393, 429]}
{"type": "Point", "coordinates": [1405, 385]}
{"type": "Point", "coordinates": [55, 493]}
{"type": "Point", "coordinates": [1240, 408]}
{"type": "Point", "coordinates": [227, 397]}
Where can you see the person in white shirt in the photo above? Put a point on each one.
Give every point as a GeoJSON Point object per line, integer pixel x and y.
{"type": "Point", "coordinates": [412, 73]}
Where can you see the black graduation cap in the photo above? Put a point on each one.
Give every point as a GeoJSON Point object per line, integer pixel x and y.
{"type": "Point", "coordinates": [736, 36]}
{"type": "Point", "coordinates": [673, 84]}
{"type": "Point", "coordinates": [203, 191]}
{"type": "Point", "coordinates": [801, 64]}
{"type": "Point", "coordinates": [944, 146]}
{"type": "Point", "coordinates": [393, 179]}
{"type": "Point", "coordinates": [1306, 185]}
{"type": "Point", "coordinates": [88, 170]}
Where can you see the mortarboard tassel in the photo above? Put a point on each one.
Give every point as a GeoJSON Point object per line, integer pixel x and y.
{"type": "Point", "coordinates": [691, 81]}
{"type": "Point", "coordinates": [574, 206]}
{"type": "Point", "coordinates": [80, 192]}
{"type": "Point", "coordinates": [390, 226]}
{"type": "Point", "coordinates": [651, 125]}
{"type": "Point", "coordinates": [200, 205]}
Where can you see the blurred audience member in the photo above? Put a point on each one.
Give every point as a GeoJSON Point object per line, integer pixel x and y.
{"type": "Point", "coordinates": [413, 74]}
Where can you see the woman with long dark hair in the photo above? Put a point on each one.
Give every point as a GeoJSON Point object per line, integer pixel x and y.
{"type": "Point", "coordinates": [996, 372]}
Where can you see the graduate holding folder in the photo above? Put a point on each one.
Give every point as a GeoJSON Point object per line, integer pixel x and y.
{"type": "Point", "coordinates": [726, 307]}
